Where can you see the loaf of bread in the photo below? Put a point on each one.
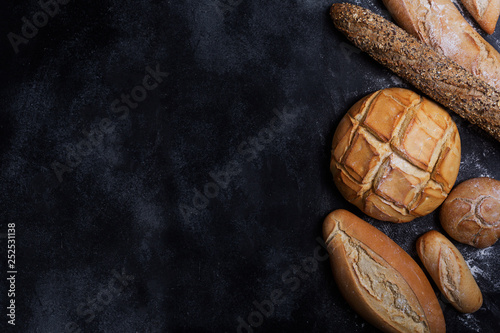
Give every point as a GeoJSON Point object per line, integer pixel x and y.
{"type": "Point", "coordinates": [429, 71]}
{"type": "Point", "coordinates": [439, 24]}
{"type": "Point", "coordinates": [471, 214]}
{"type": "Point", "coordinates": [450, 272]}
{"type": "Point", "coordinates": [378, 278]}
{"type": "Point", "coordinates": [485, 12]}
{"type": "Point", "coordinates": [395, 155]}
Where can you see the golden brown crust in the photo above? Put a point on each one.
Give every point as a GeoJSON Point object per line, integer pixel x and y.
{"type": "Point", "coordinates": [485, 12]}
{"type": "Point", "coordinates": [471, 214]}
{"type": "Point", "coordinates": [395, 155]}
{"type": "Point", "coordinates": [449, 271]}
{"type": "Point", "coordinates": [431, 72]}
{"type": "Point", "coordinates": [378, 278]}
{"type": "Point", "coordinates": [440, 25]}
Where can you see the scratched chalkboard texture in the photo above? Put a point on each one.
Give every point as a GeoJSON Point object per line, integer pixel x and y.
{"type": "Point", "coordinates": [164, 167]}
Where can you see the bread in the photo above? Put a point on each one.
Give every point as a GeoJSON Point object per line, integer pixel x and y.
{"type": "Point", "coordinates": [485, 12]}
{"type": "Point", "coordinates": [449, 271]}
{"type": "Point", "coordinates": [381, 282]}
{"type": "Point", "coordinates": [439, 24]}
{"type": "Point", "coordinates": [429, 71]}
{"type": "Point", "coordinates": [471, 214]}
{"type": "Point", "coordinates": [395, 155]}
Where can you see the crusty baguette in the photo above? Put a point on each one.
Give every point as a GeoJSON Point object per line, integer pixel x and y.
{"type": "Point", "coordinates": [439, 24]}
{"type": "Point", "coordinates": [431, 72]}
{"type": "Point", "coordinates": [485, 12]}
{"type": "Point", "coordinates": [378, 278]}
{"type": "Point", "coordinates": [448, 269]}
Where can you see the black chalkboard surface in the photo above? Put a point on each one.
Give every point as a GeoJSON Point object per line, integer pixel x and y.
{"type": "Point", "coordinates": [164, 167]}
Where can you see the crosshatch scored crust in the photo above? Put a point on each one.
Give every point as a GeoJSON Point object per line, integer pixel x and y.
{"type": "Point", "coordinates": [395, 155]}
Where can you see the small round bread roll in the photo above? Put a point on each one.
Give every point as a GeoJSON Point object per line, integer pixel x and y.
{"type": "Point", "coordinates": [448, 269]}
{"type": "Point", "coordinates": [395, 155]}
{"type": "Point", "coordinates": [471, 214]}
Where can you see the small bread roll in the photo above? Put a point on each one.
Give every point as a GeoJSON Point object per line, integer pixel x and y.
{"type": "Point", "coordinates": [381, 282]}
{"type": "Point", "coordinates": [395, 155]}
{"type": "Point", "coordinates": [471, 213]}
{"type": "Point", "coordinates": [449, 270]}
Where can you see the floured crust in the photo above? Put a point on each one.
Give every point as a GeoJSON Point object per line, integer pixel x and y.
{"type": "Point", "coordinates": [449, 271]}
{"type": "Point", "coordinates": [378, 278]}
{"type": "Point", "coordinates": [485, 12]}
{"type": "Point", "coordinates": [440, 25]}
{"type": "Point", "coordinates": [471, 214]}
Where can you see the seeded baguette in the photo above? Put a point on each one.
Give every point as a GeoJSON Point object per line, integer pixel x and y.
{"type": "Point", "coordinates": [380, 281]}
{"type": "Point", "coordinates": [432, 73]}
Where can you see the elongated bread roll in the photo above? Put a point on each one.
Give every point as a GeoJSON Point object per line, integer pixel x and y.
{"type": "Point", "coordinates": [439, 24]}
{"type": "Point", "coordinates": [378, 278]}
{"type": "Point", "coordinates": [449, 270]}
{"type": "Point", "coordinates": [485, 12]}
{"type": "Point", "coordinates": [429, 71]}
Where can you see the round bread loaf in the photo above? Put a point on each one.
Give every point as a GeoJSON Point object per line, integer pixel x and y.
{"type": "Point", "coordinates": [395, 155]}
{"type": "Point", "coordinates": [471, 214]}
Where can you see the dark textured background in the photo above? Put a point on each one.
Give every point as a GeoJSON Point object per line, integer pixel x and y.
{"type": "Point", "coordinates": [233, 65]}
